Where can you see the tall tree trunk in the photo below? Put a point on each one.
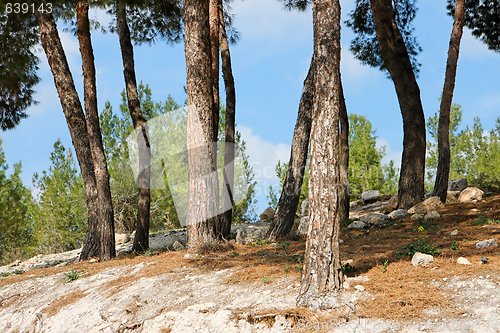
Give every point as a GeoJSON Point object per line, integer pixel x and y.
{"type": "Point", "coordinates": [141, 240]}
{"type": "Point", "coordinates": [322, 272]}
{"type": "Point", "coordinates": [214, 51]}
{"type": "Point", "coordinates": [397, 61]}
{"type": "Point", "coordinates": [344, 158]}
{"type": "Point", "coordinates": [74, 114]}
{"type": "Point", "coordinates": [443, 169]}
{"type": "Point", "coordinates": [202, 213]}
{"type": "Point", "coordinates": [290, 194]}
{"type": "Point", "coordinates": [105, 228]}
{"type": "Point", "coordinates": [230, 125]}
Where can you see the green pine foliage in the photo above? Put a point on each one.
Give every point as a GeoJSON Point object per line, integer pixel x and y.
{"type": "Point", "coordinates": [60, 212]}
{"type": "Point", "coordinates": [475, 153]}
{"type": "Point", "coordinates": [16, 226]}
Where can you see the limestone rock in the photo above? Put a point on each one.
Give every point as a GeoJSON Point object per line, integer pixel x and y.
{"type": "Point", "coordinates": [452, 196]}
{"type": "Point", "coordinates": [357, 225]}
{"type": "Point", "coordinates": [427, 205]}
{"type": "Point", "coordinates": [370, 196]}
{"type": "Point", "coordinates": [457, 184]}
{"type": "Point", "coordinates": [397, 214]}
{"type": "Point", "coordinates": [376, 219]}
{"type": "Point", "coordinates": [304, 209]}
{"type": "Point", "coordinates": [470, 194]}
{"type": "Point", "coordinates": [359, 287]}
{"type": "Point", "coordinates": [267, 214]}
{"type": "Point", "coordinates": [354, 204]}
{"type": "Point", "coordinates": [454, 233]}
{"type": "Point", "coordinates": [416, 217]}
{"type": "Point", "coordinates": [177, 246]}
{"type": "Point", "coordinates": [303, 223]}
{"type": "Point", "coordinates": [122, 238]}
{"type": "Point", "coordinates": [421, 259]}
{"type": "Point", "coordinates": [432, 215]}
{"type": "Point", "coordinates": [463, 261]}
{"type": "Point", "coordinates": [486, 243]}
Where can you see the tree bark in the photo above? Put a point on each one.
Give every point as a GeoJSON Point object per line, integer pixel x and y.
{"type": "Point", "coordinates": [290, 194]}
{"type": "Point", "coordinates": [141, 240]}
{"type": "Point", "coordinates": [322, 272]}
{"type": "Point", "coordinates": [74, 115]}
{"type": "Point", "coordinates": [202, 219]}
{"type": "Point", "coordinates": [105, 228]}
{"type": "Point", "coordinates": [443, 169]}
{"type": "Point", "coordinates": [344, 158]}
{"type": "Point", "coordinates": [397, 61]}
{"type": "Point", "coordinates": [229, 126]}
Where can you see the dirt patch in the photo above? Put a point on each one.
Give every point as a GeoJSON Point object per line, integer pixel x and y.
{"type": "Point", "coordinates": [54, 307]}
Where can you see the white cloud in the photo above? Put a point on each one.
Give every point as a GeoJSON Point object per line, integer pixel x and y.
{"type": "Point", "coordinates": [264, 155]}
{"type": "Point", "coordinates": [351, 67]}
{"type": "Point", "coordinates": [473, 48]}
{"type": "Point", "coordinates": [390, 153]}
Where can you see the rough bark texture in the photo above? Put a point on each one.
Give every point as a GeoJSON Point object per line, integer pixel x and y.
{"type": "Point", "coordinates": [290, 194]}
{"type": "Point", "coordinates": [105, 227]}
{"type": "Point", "coordinates": [203, 185]}
{"type": "Point", "coordinates": [73, 112]}
{"type": "Point", "coordinates": [344, 158]}
{"type": "Point", "coordinates": [141, 240]}
{"type": "Point", "coordinates": [322, 272]}
{"type": "Point", "coordinates": [443, 169]}
{"type": "Point", "coordinates": [397, 61]}
{"type": "Point", "coordinates": [214, 51]}
{"type": "Point", "coordinates": [230, 125]}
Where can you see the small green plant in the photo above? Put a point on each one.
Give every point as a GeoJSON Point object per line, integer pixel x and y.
{"type": "Point", "coordinates": [266, 280]}
{"type": "Point", "coordinates": [454, 245]}
{"type": "Point", "coordinates": [18, 272]}
{"type": "Point", "coordinates": [386, 264]}
{"type": "Point", "coordinates": [420, 245]}
{"type": "Point", "coordinates": [260, 242]}
{"type": "Point", "coordinates": [420, 229]}
{"type": "Point", "coordinates": [483, 220]}
{"type": "Point", "coordinates": [297, 258]}
{"type": "Point", "coordinates": [347, 268]}
{"type": "Point", "coordinates": [73, 276]}
{"type": "Point", "coordinates": [5, 274]}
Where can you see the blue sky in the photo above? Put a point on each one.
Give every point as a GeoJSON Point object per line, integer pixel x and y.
{"type": "Point", "coordinates": [270, 63]}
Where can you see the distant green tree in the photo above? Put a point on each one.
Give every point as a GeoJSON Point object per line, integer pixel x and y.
{"type": "Point", "coordinates": [15, 223]}
{"type": "Point", "coordinates": [116, 127]}
{"type": "Point", "coordinates": [475, 153]}
{"type": "Point", "coordinates": [365, 169]}
{"type": "Point", "coordinates": [60, 211]}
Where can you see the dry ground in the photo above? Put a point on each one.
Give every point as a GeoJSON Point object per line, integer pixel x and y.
{"type": "Point", "coordinates": [395, 291]}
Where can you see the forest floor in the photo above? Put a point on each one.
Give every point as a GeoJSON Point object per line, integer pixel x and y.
{"type": "Point", "coordinates": [253, 288]}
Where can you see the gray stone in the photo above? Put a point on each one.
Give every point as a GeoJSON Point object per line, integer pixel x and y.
{"type": "Point", "coordinates": [432, 215]}
{"type": "Point", "coordinates": [457, 184]}
{"type": "Point", "coordinates": [370, 196]}
{"type": "Point", "coordinates": [454, 232]}
{"type": "Point", "coordinates": [267, 214]}
{"type": "Point", "coordinates": [486, 243]}
{"type": "Point", "coordinates": [463, 261]}
{"type": "Point", "coordinates": [421, 259]}
{"type": "Point", "coordinates": [304, 209]}
{"type": "Point", "coordinates": [470, 194]}
{"type": "Point", "coordinates": [397, 214]}
{"type": "Point", "coordinates": [427, 205]}
{"type": "Point", "coordinates": [354, 204]}
{"type": "Point", "coordinates": [357, 225]}
{"type": "Point", "coordinates": [376, 219]}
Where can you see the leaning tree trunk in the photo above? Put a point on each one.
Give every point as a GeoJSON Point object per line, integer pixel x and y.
{"type": "Point", "coordinates": [443, 169]}
{"type": "Point", "coordinates": [290, 194]}
{"type": "Point", "coordinates": [74, 114]}
{"type": "Point", "coordinates": [105, 229]}
{"type": "Point", "coordinates": [397, 61]}
{"type": "Point", "coordinates": [344, 158]}
{"type": "Point", "coordinates": [322, 272]}
{"type": "Point", "coordinates": [141, 240]}
{"type": "Point", "coordinates": [229, 127]}
{"type": "Point", "coordinates": [202, 219]}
